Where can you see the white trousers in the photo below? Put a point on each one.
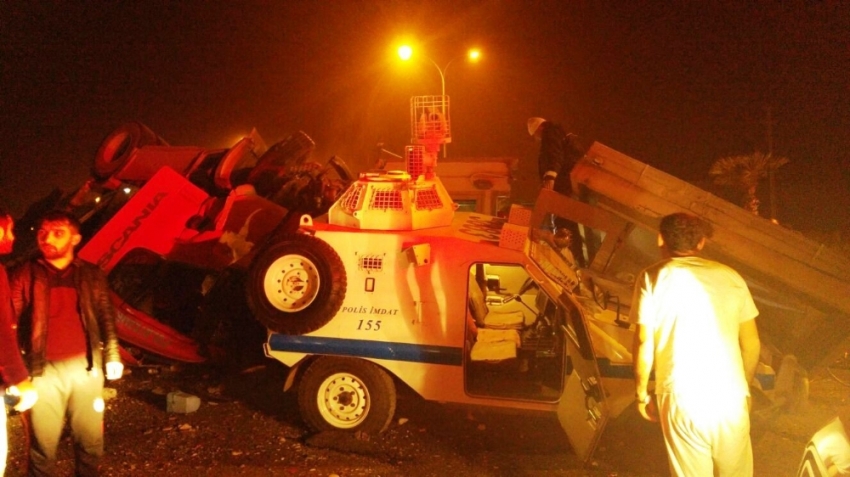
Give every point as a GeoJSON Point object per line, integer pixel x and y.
{"type": "Point", "coordinates": [706, 437]}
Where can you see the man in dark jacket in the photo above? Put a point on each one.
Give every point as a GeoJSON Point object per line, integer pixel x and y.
{"type": "Point", "coordinates": [559, 152]}
{"type": "Point", "coordinates": [67, 330]}
{"type": "Point", "coordinates": [15, 376]}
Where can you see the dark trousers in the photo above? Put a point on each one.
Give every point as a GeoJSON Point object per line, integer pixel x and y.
{"type": "Point", "coordinates": [576, 244]}
{"type": "Point", "coordinates": [67, 389]}
{"type": "Point", "coordinates": [563, 187]}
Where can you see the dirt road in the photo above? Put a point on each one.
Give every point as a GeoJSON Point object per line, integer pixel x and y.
{"type": "Point", "coordinates": [246, 426]}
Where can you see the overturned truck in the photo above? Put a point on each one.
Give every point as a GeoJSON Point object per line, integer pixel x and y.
{"type": "Point", "coordinates": [176, 227]}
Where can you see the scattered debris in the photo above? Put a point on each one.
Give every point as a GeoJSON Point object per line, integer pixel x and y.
{"type": "Point", "coordinates": [254, 369]}
{"type": "Point", "coordinates": [182, 403]}
{"type": "Point", "coordinates": [109, 393]}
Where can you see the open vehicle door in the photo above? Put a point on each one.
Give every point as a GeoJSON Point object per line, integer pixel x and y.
{"type": "Point", "coordinates": [582, 410]}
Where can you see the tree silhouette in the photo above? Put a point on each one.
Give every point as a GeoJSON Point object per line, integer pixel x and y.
{"type": "Point", "coordinates": [743, 174]}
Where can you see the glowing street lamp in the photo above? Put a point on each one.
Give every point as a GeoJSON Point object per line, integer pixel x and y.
{"type": "Point", "coordinates": [405, 52]}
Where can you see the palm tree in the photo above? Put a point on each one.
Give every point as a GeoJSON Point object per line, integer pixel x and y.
{"type": "Point", "coordinates": [743, 174]}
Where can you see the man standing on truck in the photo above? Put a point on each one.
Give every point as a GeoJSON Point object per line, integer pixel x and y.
{"type": "Point", "coordinates": [696, 325]}
{"type": "Point", "coordinates": [14, 373]}
{"type": "Point", "coordinates": [559, 152]}
{"type": "Point", "coordinates": [67, 325]}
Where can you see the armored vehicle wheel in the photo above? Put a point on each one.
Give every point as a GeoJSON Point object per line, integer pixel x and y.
{"type": "Point", "coordinates": [297, 285]}
{"type": "Point", "coordinates": [346, 394]}
{"type": "Point", "coordinates": [116, 149]}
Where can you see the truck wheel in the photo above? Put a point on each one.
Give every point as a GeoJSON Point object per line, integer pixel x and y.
{"type": "Point", "coordinates": [346, 394]}
{"type": "Point", "coordinates": [116, 149]}
{"type": "Point", "coordinates": [297, 285]}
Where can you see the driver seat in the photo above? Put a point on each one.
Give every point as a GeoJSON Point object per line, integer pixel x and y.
{"type": "Point", "coordinates": [496, 334]}
{"type": "Point", "coordinates": [485, 317]}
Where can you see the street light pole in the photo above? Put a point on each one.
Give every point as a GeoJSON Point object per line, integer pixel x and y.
{"type": "Point", "coordinates": [443, 92]}
{"type": "Point", "coordinates": [442, 76]}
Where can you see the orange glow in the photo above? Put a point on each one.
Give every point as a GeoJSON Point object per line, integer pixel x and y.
{"type": "Point", "coordinates": [474, 55]}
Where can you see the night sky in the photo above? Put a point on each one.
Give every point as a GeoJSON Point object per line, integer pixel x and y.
{"type": "Point", "coordinates": [674, 87]}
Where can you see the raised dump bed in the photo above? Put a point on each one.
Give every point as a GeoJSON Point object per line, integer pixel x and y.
{"type": "Point", "coordinates": [802, 287]}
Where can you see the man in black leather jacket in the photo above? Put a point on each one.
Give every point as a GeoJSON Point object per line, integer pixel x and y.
{"type": "Point", "coordinates": [66, 328]}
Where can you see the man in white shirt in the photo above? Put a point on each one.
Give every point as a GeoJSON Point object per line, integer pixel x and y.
{"type": "Point", "coordinates": [696, 326]}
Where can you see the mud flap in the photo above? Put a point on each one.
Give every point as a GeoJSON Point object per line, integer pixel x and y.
{"type": "Point", "coordinates": [582, 410]}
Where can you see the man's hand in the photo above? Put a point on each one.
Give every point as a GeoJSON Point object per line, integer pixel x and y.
{"type": "Point", "coordinates": [114, 370]}
{"type": "Point", "coordinates": [27, 394]}
{"type": "Point", "coordinates": [643, 352]}
{"type": "Point", "coordinates": [649, 411]}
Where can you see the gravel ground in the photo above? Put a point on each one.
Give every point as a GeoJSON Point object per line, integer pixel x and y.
{"type": "Point", "coordinates": [246, 426]}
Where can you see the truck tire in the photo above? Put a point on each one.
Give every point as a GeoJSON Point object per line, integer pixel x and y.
{"type": "Point", "coordinates": [346, 394]}
{"type": "Point", "coordinates": [116, 149]}
{"type": "Point", "coordinates": [296, 285]}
